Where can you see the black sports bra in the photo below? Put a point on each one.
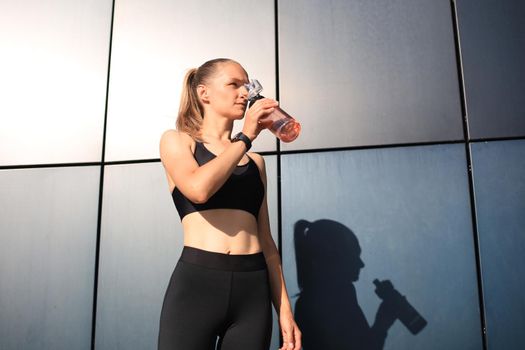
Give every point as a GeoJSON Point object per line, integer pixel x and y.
{"type": "Point", "coordinates": [243, 190]}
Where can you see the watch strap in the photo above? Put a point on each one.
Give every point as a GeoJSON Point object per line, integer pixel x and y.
{"type": "Point", "coordinates": [241, 137]}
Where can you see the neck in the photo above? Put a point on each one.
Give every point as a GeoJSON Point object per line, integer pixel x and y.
{"type": "Point", "coordinates": [216, 128]}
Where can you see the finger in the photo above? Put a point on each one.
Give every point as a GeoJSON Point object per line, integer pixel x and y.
{"type": "Point", "coordinates": [264, 110]}
{"type": "Point", "coordinates": [265, 103]}
{"type": "Point", "coordinates": [297, 335]}
{"type": "Point", "coordinates": [261, 111]}
{"type": "Point", "coordinates": [286, 338]}
{"type": "Point", "coordinates": [285, 346]}
{"type": "Point", "coordinates": [288, 342]}
{"type": "Point", "coordinates": [292, 343]}
{"type": "Point", "coordinates": [270, 104]}
{"type": "Point", "coordinates": [267, 112]}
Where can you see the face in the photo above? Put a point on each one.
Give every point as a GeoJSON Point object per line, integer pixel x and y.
{"type": "Point", "coordinates": [225, 93]}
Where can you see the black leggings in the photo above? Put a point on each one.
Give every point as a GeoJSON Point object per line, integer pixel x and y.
{"type": "Point", "coordinates": [214, 295]}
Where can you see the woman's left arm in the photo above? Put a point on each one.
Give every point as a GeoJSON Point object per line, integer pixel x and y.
{"type": "Point", "coordinates": [289, 329]}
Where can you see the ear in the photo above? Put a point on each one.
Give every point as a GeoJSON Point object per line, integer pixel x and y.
{"type": "Point", "coordinates": [202, 92]}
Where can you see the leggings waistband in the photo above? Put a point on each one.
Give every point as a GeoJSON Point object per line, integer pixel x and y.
{"type": "Point", "coordinates": [221, 261]}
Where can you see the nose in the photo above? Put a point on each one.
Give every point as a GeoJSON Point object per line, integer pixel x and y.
{"type": "Point", "coordinates": [361, 263]}
{"type": "Point", "coordinates": [244, 91]}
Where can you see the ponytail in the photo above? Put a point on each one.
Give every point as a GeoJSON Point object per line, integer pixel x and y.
{"type": "Point", "coordinates": [191, 112]}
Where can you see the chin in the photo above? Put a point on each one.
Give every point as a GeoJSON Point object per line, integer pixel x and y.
{"type": "Point", "coordinates": [238, 116]}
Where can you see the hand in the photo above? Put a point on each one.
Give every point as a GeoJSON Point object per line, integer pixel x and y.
{"type": "Point", "coordinates": [254, 119]}
{"type": "Point", "coordinates": [385, 317]}
{"type": "Point", "coordinates": [290, 332]}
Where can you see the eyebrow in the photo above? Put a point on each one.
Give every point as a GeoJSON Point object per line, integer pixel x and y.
{"type": "Point", "coordinates": [241, 80]}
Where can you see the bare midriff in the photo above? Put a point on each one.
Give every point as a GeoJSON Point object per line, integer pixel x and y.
{"type": "Point", "coordinates": [227, 231]}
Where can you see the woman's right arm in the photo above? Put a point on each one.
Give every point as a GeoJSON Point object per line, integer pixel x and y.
{"type": "Point", "coordinates": [199, 183]}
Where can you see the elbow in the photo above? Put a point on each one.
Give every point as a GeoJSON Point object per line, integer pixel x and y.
{"type": "Point", "coordinates": [199, 195]}
{"type": "Point", "coordinates": [200, 198]}
{"type": "Point", "coordinates": [195, 191]}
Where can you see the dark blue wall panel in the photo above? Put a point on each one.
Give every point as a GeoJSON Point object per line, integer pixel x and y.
{"type": "Point", "coordinates": [499, 184]}
{"type": "Point", "coordinates": [398, 214]}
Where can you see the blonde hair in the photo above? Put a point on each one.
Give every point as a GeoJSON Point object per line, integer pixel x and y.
{"type": "Point", "coordinates": [191, 110]}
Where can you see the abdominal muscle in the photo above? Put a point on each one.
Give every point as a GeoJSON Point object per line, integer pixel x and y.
{"type": "Point", "coordinates": [227, 231]}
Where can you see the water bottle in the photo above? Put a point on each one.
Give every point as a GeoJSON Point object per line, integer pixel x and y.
{"type": "Point", "coordinates": [280, 123]}
{"type": "Point", "coordinates": [400, 306]}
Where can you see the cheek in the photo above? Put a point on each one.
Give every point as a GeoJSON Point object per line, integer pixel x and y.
{"type": "Point", "coordinates": [217, 99]}
{"type": "Point", "coordinates": [222, 97]}
{"type": "Point", "coordinates": [223, 101]}
{"type": "Point", "coordinates": [222, 105]}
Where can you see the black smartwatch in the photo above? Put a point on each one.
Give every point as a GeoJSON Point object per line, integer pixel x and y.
{"type": "Point", "coordinates": [241, 137]}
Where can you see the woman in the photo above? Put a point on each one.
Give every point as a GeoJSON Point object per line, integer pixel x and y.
{"type": "Point", "coordinates": [230, 269]}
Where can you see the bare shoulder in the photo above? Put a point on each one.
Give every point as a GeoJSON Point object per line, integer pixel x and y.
{"type": "Point", "coordinates": [175, 136]}
{"type": "Point", "coordinates": [174, 141]}
{"type": "Point", "coordinates": [258, 159]}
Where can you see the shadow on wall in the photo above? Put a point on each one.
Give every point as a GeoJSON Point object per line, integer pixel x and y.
{"type": "Point", "coordinates": [327, 311]}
